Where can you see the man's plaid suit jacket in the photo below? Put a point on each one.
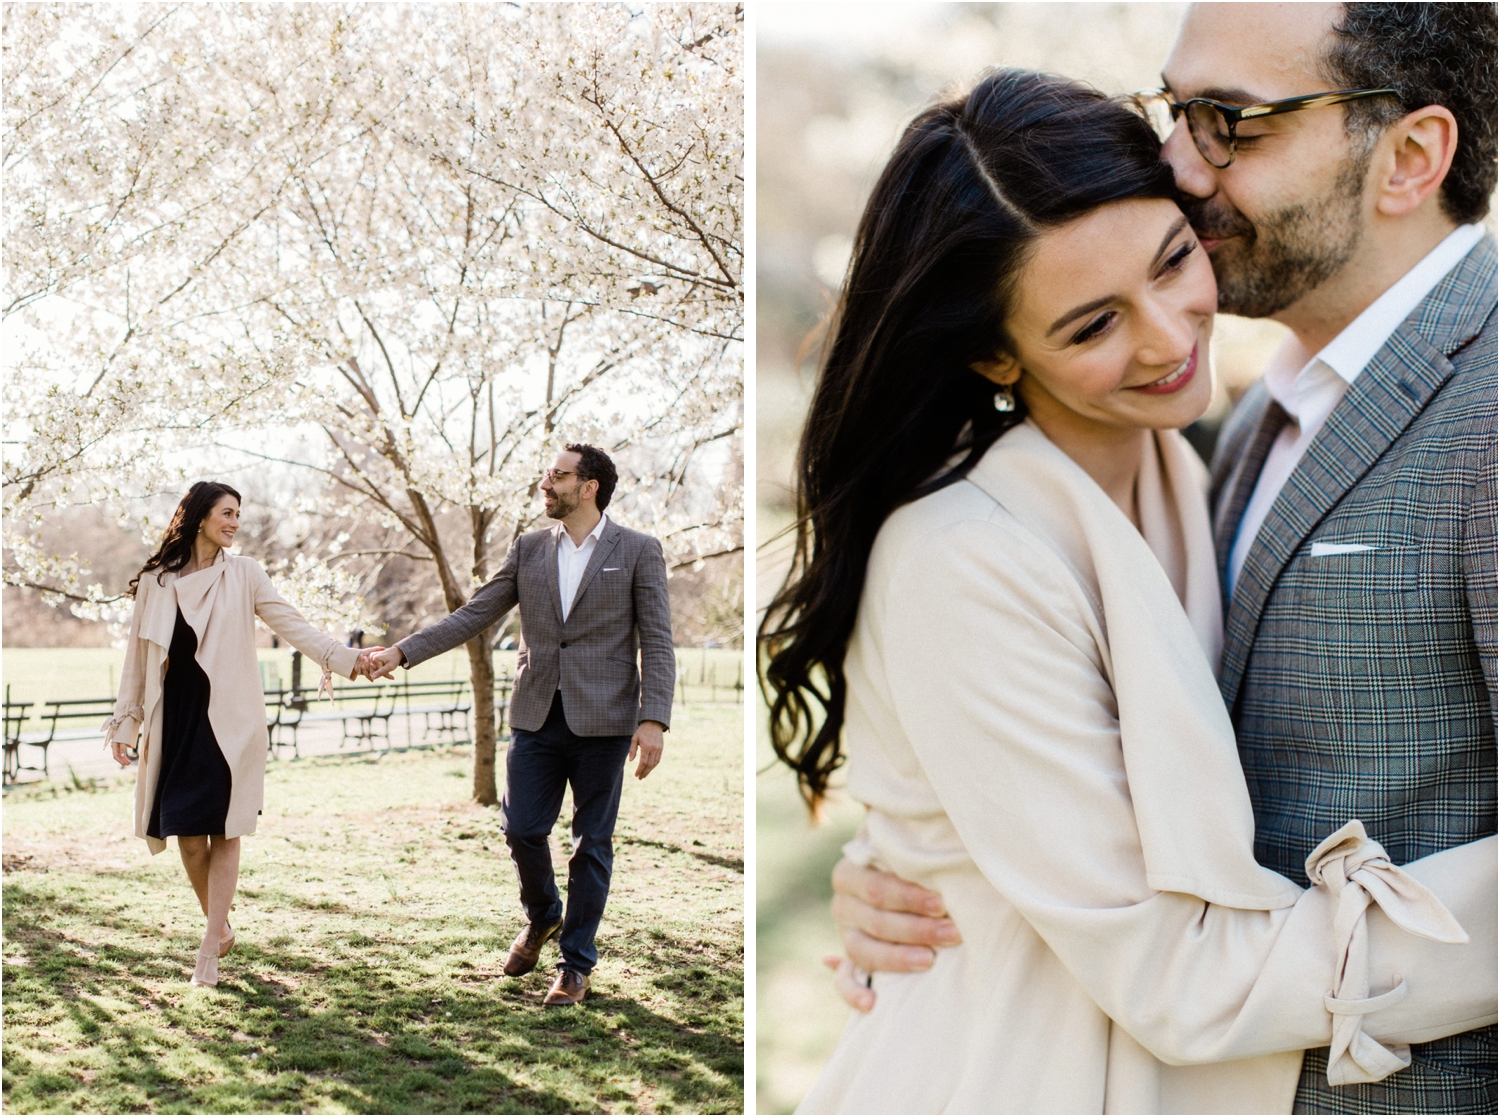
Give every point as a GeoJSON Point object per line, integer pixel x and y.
{"type": "Point", "coordinates": [621, 606]}
{"type": "Point", "coordinates": [1362, 685]}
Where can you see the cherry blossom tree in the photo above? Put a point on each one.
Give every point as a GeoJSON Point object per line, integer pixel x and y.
{"type": "Point", "coordinates": [441, 239]}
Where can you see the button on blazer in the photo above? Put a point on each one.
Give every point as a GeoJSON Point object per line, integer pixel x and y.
{"type": "Point", "coordinates": [621, 609]}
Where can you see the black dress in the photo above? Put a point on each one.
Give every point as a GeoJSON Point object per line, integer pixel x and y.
{"type": "Point", "coordinates": [193, 782]}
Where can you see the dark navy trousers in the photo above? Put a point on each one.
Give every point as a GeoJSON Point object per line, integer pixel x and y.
{"type": "Point", "coordinates": [538, 767]}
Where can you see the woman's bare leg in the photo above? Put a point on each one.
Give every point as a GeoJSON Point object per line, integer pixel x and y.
{"type": "Point", "coordinates": [223, 878]}
{"type": "Point", "coordinates": [195, 853]}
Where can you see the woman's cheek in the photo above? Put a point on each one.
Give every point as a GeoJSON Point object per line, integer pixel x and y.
{"type": "Point", "coordinates": [1102, 373]}
{"type": "Point", "coordinates": [1203, 297]}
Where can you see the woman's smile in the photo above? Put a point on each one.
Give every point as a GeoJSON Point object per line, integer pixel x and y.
{"type": "Point", "coordinates": [1175, 380]}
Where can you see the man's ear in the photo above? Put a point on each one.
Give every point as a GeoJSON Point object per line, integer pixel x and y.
{"type": "Point", "coordinates": [585, 492]}
{"type": "Point", "coordinates": [1423, 145]}
{"type": "Point", "coordinates": [1001, 369]}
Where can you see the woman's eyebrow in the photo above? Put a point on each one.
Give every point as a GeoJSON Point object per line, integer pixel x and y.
{"type": "Point", "coordinates": [1085, 308]}
{"type": "Point", "coordinates": [1177, 227]}
{"type": "Point", "coordinates": [1079, 312]}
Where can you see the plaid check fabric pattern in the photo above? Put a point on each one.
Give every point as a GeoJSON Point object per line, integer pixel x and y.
{"type": "Point", "coordinates": [621, 608]}
{"type": "Point", "coordinates": [1362, 684]}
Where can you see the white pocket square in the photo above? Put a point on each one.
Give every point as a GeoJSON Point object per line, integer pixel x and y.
{"type": "Point", "coordinates": [607, 569]}
{"type": "Point", "coordinates": [1319, 550]}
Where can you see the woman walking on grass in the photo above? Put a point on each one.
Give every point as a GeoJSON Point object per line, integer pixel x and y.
{"type": "Point", "coordinates": [192, 682]}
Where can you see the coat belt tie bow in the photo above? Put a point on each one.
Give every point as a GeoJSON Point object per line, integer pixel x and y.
{"type": "Point", "coordinates": [1357, 870]}
{"type": "Point", "coordinates": [133, 713]}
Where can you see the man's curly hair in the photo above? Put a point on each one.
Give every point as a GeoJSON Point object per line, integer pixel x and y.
{"type": "Point", "coordinates": [595, 465]}
{"type": "Point", "coordinates": [1432, 54]}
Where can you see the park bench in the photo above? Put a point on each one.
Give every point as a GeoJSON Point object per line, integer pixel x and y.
{"type": "Point", "coordinates": [444, 707]}
{"type": "Point", "coordinates": [365, 711]}
{"type": "Point", "coordinates": [360, 707]}
{"type": "Point", "coordinates": [15, 717]}
{"type": "Point", "coordinates": [284, 710]}
{"type": "Point", "coordinates": [504, 685]}
{"type": "Point", "coordinates": [69, 719]}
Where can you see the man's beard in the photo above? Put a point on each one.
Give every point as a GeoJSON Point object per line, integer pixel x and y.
{"type": "Point", "coordinates": [1287, 252]}
{"type": "Point", "coordinates": [560, 507]}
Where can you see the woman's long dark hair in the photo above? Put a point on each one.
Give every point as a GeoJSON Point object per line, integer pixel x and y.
{"type": "Point", "coordinates": [177, 544]}
{"type": "Point", "coordinates": [947, 230]}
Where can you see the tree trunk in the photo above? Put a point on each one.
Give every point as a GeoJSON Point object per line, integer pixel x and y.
{"type": "Point", "coordinates": [482, 678]}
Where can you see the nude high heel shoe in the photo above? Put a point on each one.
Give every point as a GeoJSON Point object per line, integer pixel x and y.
{"type": "Point", "coordinates": [206, 973]}
{"type": "Point", "coordinates": [227, 944]}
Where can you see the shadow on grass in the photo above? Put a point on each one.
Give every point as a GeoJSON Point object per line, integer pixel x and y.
{"type": "Point", "coordinates": [303, 1027]}
{"type": "Point", "coordinates": [736, 864]}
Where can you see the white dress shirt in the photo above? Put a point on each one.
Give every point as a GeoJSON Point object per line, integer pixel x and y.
{"type": "Point", "coordinates": [1308, 389]}
{"type": "Point", "coordinates": [573, 561]}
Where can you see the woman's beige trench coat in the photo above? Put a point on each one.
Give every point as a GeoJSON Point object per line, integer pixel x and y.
{"type": "Point", "coordinates": [221, 603]}
{"type": "Point", "coordinates": [1035, 728]}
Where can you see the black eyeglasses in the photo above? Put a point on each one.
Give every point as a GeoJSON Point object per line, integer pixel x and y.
{"type": "Point", "coordinates": [1212, 124]}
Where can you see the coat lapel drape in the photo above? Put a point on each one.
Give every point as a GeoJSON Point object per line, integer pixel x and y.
{"type": "Point", "coordinates": [1189, 843]}
{"type": "Point", "coordinates": [197, 594]}
{"type": "Point", "coordinates": [158, 606]}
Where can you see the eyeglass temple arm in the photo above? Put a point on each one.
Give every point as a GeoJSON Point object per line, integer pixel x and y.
{"type": "Point", "coordinates": [1293, 104]}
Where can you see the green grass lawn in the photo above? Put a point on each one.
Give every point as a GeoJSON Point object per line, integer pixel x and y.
{"type": "Point", "coordinates": [799, 1016]}
{"type": "Point", "coordinates": [375, 909]}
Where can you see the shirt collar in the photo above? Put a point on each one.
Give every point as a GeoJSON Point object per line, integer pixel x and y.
{"type": "Point", "coordinates": [594, 535]}
{"type": "Point", "coordinates": [1361, 339]}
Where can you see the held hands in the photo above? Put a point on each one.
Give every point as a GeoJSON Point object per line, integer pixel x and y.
{"type": "Point", "coordinates": [378, 663]}
{"type": "Point", "coordinates": [647, 741]}
{"type": "Point", "coordinates": [887, 924]}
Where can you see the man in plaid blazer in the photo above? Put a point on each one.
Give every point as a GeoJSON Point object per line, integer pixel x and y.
{"type": "Point", "coordinates": [592, 594]}
{"type": "Point", "coordinates": [1354, 487]}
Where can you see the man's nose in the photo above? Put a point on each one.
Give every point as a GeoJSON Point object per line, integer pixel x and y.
{"type": "Point", "coordinates": [1193, 174]}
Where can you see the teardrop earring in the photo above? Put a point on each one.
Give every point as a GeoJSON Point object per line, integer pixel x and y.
{"type": "Point", "coordinates": [1005, 399]}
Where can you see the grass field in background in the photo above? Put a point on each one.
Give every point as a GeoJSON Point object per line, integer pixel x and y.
{"type": "Point", "coordinates": [375, 909]}
{"type": "Point", "coordinates": [799, 1017]}
{"type": "Point", "coordinates": [41, 674]}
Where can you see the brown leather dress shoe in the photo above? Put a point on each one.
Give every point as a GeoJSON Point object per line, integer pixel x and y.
{"type": "Point", "coordinates": [568, 989]}
{"type": "Point", "coordinates": [528, 948]}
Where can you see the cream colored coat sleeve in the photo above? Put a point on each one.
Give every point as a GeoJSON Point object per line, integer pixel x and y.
{"type": "Point", "coordinates": [997, 680]}
{"type": "Point", "coordinates": [295, 629]}
{"type": "Point", "coordinates": [130, 700]}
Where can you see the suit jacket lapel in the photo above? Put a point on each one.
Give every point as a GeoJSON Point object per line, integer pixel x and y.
{"type": "Point", "coordinates": [1381, 403]}
{"type": "Point", "coordinates": [608, 538]}
{"type": "Point", "coordinates": [550, 575]}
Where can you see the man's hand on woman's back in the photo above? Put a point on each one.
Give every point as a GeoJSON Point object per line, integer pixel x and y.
{"type": "Point", "coordinates": [887, 924]}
